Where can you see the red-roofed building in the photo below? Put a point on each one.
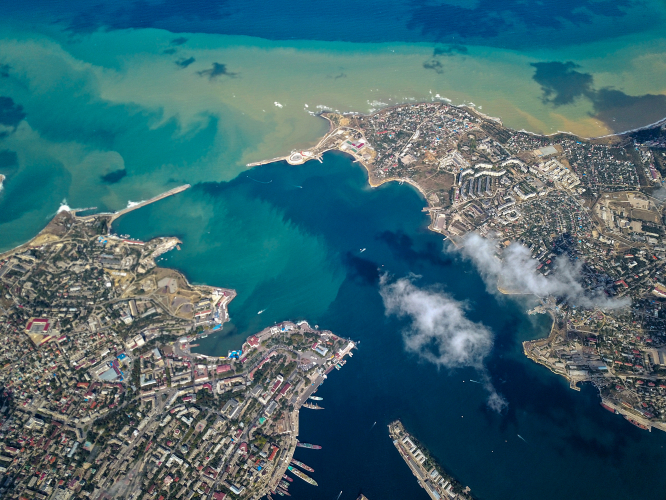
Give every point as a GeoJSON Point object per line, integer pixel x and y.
{"type": "Point", "coordinates": [218, 495]}
{"type": "Point", "coordinates": [253, 341]}
{"type": "Point", "coordinates": [223, 368]}
{"type": "Point", "coordinates": [210, 472]}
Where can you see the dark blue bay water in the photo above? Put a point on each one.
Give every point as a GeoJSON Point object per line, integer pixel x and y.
{"type": "Point", "coordinates": [503, 23]}
{"type": "Point", "coordinates": [288, 239]}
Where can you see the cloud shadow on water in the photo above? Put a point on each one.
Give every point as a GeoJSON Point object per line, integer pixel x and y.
{"type": "Point", "coordinates": [114, 177]}
{"type": "Point", "coordinates": [216, 71]}
{"type": "Point", "coordinates": [184, 63]}
{"type": "Point", "coordinates": [403, 248]}
{"type": "Point", "coordinates": [562, 84]}
{"type": "Point", "coordinates": [11, 114]}
{"type": "Point", "coordinates": [361, 270]}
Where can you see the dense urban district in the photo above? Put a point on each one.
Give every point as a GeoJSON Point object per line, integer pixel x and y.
{"type": "Point", "coordinates": [597, 203]}
{"type": "Point", "coordinates": [102, 397]}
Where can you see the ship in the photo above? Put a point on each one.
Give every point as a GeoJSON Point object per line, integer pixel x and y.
{"type": "Point", "coordinates": [304, 477]}
{"type": "Point", "coordinates": [302, 465]}
{"type": "Point", "coordinates": [637, 424]}
{"type": "Point", "coordinates": [284, 476]}
{"type": "Point", "coordinates": [312, 407]}
{"type": "Point", "coordinates": [316, 398]}
{"type": "Point", "coordinates": [284, 485]}
{"type": "Point", "coordinates": [609, 408]}
{"type": "Point", "coordinates": [283, 492]}
{"type": "Point", "coordinates": [309, 446]}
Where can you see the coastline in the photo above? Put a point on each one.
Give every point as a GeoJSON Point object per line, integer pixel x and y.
{"type": "Point", "coordinates": [343, 136]}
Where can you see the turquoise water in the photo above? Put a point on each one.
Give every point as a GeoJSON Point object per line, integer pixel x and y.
{"type": "Point", "coordinates": [102, 104]}
{"type": "Point", "coordinates": [289, 239]}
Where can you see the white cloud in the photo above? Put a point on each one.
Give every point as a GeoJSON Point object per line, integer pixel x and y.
{"type": "Point", "coordinates": [516, 271]}
{"type": "Point", "coordinates": [439, 331]}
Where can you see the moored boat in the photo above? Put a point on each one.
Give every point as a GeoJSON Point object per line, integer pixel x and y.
{"type": "Point", "coordinates": [637, 423]}
{"type": "Point", "coordinates": [309, 446]}
{"type": "Point", "coordinates": [316, 398]}
{"type": "Point", "coordinates": [312, 407]}
{"type": "Point", "coordinates": [606, 407]}
{"type": "Point", "coordinates": [284, 476]}
{"type": "Point", "coordinates": [301, 465]}
{"type": "Point", "coordinates": [302, 476]}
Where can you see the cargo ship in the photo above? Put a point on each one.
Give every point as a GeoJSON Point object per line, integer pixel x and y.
{"type": "Point", "coordinates": [316, 398]}
{"type": "Point", "coordinates": [606, 407]}
{"type": "Point", "coordinates": [637, 424]}
{"type": "Point", "coordinates": [312, 407]}
{"type": "Point", "coordinates": [304, 477]}
{"type": "Point", "coordinates": [301, 465]}
{"type": "Point", "coordinates": [309, 446]}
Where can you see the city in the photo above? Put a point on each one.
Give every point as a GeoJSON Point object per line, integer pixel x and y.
{"type": "Point", "coordinates": [103, 397]}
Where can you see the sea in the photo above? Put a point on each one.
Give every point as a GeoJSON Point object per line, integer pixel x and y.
{"type": "Point", "coordinates": [105, 104]}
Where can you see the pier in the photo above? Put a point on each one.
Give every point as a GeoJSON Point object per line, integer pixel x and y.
{"type": "Point", "coordinates": [120, 213]}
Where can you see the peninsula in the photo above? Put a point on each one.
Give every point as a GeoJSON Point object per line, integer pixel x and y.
{"type": "Point", "coordinates": [430, 475]}
{"type": "Point", "coordinates": [591, 205]}
{"type": "Point", "coordinates": [101, 396]}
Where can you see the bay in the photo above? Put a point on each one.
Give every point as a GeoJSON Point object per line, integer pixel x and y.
{"type": "Point", "coordinates": [289, 240]}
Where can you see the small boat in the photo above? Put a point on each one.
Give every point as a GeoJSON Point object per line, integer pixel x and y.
{"type": "Point", "coordinates": [362, 250]}
{"type": "Point", "coordinates": [316, 398]}
{"type": "Point", "coordinates": [261, 311]}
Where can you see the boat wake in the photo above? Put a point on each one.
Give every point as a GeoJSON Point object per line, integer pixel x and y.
{"type": "Point", "coordinates": [521, 437]}
{"type": "Point", "coordinates": [261, 311]}
{"type": "Point", "coordinates": [260, 182]}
